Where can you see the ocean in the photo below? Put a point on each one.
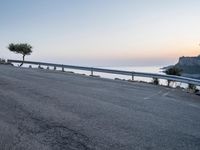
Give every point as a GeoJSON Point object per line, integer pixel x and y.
{"type": "Point", "coordinates": [144, 69]}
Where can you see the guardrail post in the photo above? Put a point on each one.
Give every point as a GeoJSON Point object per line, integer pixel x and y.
{"type": "Point", "coordinates": [132, 75]}
{"type": "Point", "coordinates": [54, 68]}
{"type": "Point", "coordinates": [92, 72]}
{"type": "Point", "coordinates": [63, 68]}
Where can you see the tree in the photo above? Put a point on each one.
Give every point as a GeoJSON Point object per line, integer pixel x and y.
{"type": "Point", "coordinates": [21, 48]}
{"type": "Point", "coordinates": [173, 71]}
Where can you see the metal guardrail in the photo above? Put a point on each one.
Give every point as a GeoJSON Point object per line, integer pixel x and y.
{"type": "Point", "coordinates": [119, 72]}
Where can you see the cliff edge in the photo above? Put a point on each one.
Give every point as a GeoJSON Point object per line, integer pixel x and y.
{"type": "Point", "coordinates": [190, 66]}
{"type": "Point", "coordinates": [189, 61]}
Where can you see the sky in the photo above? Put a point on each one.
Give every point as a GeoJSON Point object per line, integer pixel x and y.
{"type": "Point", "coordinates": [102, 32]}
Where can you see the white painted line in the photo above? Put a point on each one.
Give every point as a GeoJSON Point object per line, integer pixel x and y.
{"type": "Point", "coordinates": [193, 105]}
{"type": "Point", "coordinates": [149, 97]}
{"type": "Point", "coordinates": [165, 94]}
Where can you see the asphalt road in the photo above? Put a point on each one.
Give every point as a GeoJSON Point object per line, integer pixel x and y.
{"type": "Point", "coordinates": [48, 110]}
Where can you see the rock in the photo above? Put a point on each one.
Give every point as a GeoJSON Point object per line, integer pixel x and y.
{"type": "Point", "coordinates": [189, 61]}
{"type": "Point", "coordinates": [190, 66]}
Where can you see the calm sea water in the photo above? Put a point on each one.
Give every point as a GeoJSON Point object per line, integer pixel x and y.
{"type": "Point", "coordinates": [147, 69]}
{"type": "Point", "coordinates": [144, 69]}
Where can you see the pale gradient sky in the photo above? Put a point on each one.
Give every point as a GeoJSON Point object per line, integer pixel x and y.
{"type": "Point", "coordinates": [102, 32]}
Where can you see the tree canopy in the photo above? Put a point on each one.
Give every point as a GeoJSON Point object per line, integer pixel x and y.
{"type": "Point", "coordinates": [21, 48]}
{"type": "Point", "coordinates": [174, 71]}
{"type": "Point", "coordinates": [24, 49]}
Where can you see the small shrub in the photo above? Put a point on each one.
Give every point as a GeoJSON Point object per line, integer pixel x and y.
{"type": "Point", "coordinates": [192, 88]}
{"type": "Point", "coordinates": [155, 81]}
{"type": "Point", "coordinates": [39, 67]}
{"type": "Point", "coordinates": [173, 71]}
{"type": "Point", "coordinates": [2, 61]}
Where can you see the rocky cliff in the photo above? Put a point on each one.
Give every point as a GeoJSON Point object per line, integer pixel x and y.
{"type": "Point", "coordinates": [189, 61]}
{"type": "Point", "coordinates": [190, 66]}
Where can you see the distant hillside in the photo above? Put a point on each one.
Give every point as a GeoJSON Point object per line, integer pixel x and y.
{"type": "Point", "coordinates": [189, 65]}
{"type": "Point", "coordinates": [189, 61]}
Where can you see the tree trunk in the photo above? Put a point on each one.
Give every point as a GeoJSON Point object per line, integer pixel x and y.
{"type": "Point", "coordinates": [22, 61]}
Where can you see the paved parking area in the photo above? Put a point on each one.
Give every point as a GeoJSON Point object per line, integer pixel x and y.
{"type": "Point", "coordinates": [41, 109]}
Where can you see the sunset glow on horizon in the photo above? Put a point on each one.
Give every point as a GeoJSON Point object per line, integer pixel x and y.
{"type": "Point", "coordinates": [106, 32]}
